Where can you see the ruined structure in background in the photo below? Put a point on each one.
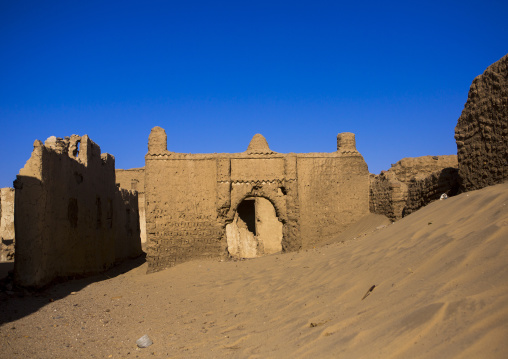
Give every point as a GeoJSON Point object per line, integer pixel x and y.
{"type": "Point", "coordinates": [482, 129]}
{"type": "Point", "coordinates": [134, 180]}
{"type": "Point", "coordinates": [70, 218]}
{"type": "Point", "coordinates": [482, 153]}
{"type": "Point", "coordinates": [251, 203]}
{"type": "Point", "coordinates": [411, 184]}
{"type": "Point", "coordinates": [7, 233]}
{"type": "Point", "coordinates": [425, 189]}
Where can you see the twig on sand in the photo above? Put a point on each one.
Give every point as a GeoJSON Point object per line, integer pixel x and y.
{"type": "Point", "coordinates": [368, 292]}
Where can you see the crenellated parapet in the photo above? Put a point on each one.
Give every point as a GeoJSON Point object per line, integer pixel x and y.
{"type": "Point", "coordinates": [79, 148]}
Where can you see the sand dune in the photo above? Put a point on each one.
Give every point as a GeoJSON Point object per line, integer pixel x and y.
{"type": "Point", "coordinates": [441, 291]}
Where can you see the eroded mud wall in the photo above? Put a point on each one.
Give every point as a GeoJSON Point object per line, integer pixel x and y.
{"type": "Point", "coordinates": [422, 191]}
{"type": "Point", "coordinates": [333, 193]}
{"type": "Point", "coordinates": [66, 214]}
{"type": "Point", "coordinates": [388, 196]}
{"type": "Point", "coordinates": [389, 191]}
{"type": "Point", "coordinates": [181, 217]}
{"type": "Point", "coordinates": [482, 129]}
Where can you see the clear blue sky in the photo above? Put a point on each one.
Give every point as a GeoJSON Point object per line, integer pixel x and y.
{"type": "Point", "coordinates": [214, 73]}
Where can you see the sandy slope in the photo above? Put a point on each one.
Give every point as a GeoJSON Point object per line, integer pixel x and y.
{"type": "Point", "coordinates": [441, 291]}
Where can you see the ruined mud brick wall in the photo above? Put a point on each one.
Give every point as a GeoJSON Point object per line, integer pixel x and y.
{"type": "Point", "coordinates": [412, 167]}
{"type": "Point", "coordinates": [389, 190]}
{"type": "Point", "coordinates": [387, 195]}
{"type": "Point", "coordinates": [190, 198]}
{"type": "Point", "coordinates": [482, 129]}
{"type": "Point", "coordinates": [134, 179]}
{"type": "Point", "coordinates": [181, 218]}
{"type": "Point", "coordinates": [422, 191]}
{"type": "Point", "coordinates": [332, 191]}
{"type": "Point", "coordinates": [66, 212]}
{"type": "Point", "coordinates": [7, 224]}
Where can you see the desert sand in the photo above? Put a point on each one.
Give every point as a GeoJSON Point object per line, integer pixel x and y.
{"type": "Point", "coordinates": [439, 281]}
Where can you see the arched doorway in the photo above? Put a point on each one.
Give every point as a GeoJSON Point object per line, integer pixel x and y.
{"type": "Point", "coordinates": [255, 230]}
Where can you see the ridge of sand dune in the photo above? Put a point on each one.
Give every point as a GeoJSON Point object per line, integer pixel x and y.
{"type": "Point", "coordinates": [366, 225]}
{"type": "Point", "coordinates": [441, 291]}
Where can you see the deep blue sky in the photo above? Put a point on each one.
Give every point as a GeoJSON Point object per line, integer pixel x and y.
{"type": "Point", "coordinates": [215, 73]}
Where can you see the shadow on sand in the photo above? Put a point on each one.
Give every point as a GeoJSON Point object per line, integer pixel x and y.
{"type": "Point", "coordinates": [17, 303]}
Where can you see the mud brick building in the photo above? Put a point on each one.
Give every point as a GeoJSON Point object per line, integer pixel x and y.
{"type": "Point", "coordinates": [248, 204]}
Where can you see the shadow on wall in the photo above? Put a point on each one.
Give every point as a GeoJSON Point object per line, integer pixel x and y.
{"type": "Point", "coordinates": [423, 191]}
{"type": "Point", "coordinates": [5, 268]}
{"type": "Point", "coordinates": [72, 234]}
{"type": "Point", "coordinates": [18, 303]}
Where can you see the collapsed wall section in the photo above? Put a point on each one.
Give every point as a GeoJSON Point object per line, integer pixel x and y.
{"type": "Point", "coordinates": [389, 191]}
{"type": "Point", "coordinates": [422, 191]}
{"type": "Point", "coordinates": [410, 168]}
{"type": "Point", "coordinates": [482, 129]}
{"type": "Point", "coordinates": [388, 196]}
{"type": "Point", "coordinates": [68, 218]}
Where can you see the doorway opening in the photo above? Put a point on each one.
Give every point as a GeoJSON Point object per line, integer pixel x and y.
{"type": "Point", "coordinates": [255, 230]}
